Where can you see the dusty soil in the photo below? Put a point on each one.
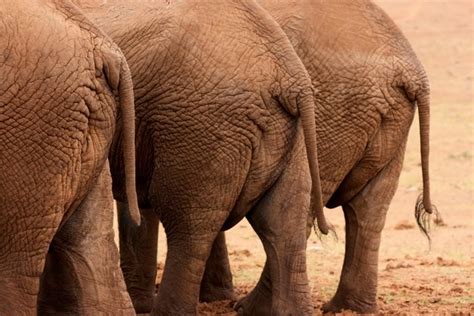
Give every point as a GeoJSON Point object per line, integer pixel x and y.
{"type": "Point", "coordinates": [413, 278]}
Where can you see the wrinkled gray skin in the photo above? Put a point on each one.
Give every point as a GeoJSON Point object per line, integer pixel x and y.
{"type": "Point", "coordinates": [218, 87]}
{"type": "Point", "coordinates": [57, 119]}
{"type": "Point", "coordinates": [369, 83]}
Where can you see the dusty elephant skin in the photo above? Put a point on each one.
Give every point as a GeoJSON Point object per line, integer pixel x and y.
{"type": "Point", "coordinates": [369, 82]}
{"type": "Point", "coordinates": [218, 91]}
{"type": "Point", "coordinates": [58, 116]}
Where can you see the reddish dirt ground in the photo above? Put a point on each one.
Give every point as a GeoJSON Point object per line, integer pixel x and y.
{"type": "Point", "coordinates": [413, 279]}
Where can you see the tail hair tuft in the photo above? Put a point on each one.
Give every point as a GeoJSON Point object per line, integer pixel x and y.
{"type": "Point", "coordinates": [423, 217]}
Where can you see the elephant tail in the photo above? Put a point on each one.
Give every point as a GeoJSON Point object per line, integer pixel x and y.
{"type": "Point", "coordinates": [127, 108]}
{"type": "Point", "coordinates": [297, 98]}
{"type": "Point", "coordinates": [119, 78]}
{"type": "Point", "coordinates": [306, 109]}
{"type": "Point", "coordinates": [424, 208]}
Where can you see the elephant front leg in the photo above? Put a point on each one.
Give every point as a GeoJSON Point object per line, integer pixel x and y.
{"type": "Point", "coordinates": [82, 273]}
{"type": "Point", "coordinates": [138, 256]}
{"type": "Point", "coordinates": [217, 283]}
{"type": "Point", "coordinates": [365, 218]}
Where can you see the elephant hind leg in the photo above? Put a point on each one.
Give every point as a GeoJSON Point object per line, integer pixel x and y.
{"type": "Point", "coordinates": [365, 218]}
{"type": "Point", "coordinates": [217, 283]}
{"type": "Point", "coordinates": [188, 250]}
{"type": "Point", "coordinates": [280, 220]}
{"type": "Point", "coordinates": [25, 235]}
{"type": "Point", "coordinates": [259, 300]}
{"type": "Point", "coordinates": [21, 265]}
{"type": "Point", "coordinates": [138, 251]}
{"type": "Point", "coordinates": [82, 273]}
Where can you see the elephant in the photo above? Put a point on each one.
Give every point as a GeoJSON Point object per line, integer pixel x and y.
{"type": "Point", "coordinates": [64, 86]}
{"type": "Point", "coordinates": [369, 83]}
{"type": "Point", "coordinates": [225, 123]}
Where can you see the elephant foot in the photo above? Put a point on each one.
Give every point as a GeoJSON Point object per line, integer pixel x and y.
{"type": "Point", "coordinates": [212, 294]}
{"type": "Point", "coordinates": [341, 302]}
{"type": "Point", "coordinates": [143, 304]}
{"type": "Point", "coordinates": [216, 284]}
{"type": "Point", "coordinates": [257, 302]}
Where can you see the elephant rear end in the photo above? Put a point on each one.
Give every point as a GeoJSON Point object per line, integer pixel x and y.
{"type": "Point", "coordinates": [370, 83]}
{"type": "Point", "coordinates": [57, 118]}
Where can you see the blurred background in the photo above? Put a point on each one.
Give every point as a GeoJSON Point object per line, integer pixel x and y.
{"type": "Point", "coordinates": [412, 277]}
